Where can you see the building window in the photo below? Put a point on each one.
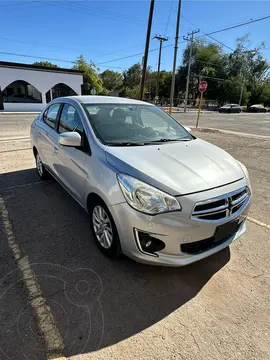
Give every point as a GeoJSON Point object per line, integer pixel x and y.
{"type": "Point", "coordinates": [21, 92]}
{"type": "Point", "coordinates": [59, 90]}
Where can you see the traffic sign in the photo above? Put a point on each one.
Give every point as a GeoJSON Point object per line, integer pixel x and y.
{"type": "Point", "coordinates": [203, 86]}
{"type": "Point", "coordinates": [93, 91]}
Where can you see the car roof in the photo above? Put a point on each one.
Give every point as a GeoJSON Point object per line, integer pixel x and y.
{"type": "Point", "coordinates": [257, 105]}
{"type": "Point", "coordinates": [91, 99]}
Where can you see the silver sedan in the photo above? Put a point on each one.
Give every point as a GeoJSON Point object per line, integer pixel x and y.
{"type": "Point", "coordinates": [152, 190]}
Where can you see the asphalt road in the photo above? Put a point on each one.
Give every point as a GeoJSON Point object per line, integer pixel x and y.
{"type": "Point", "coordinates": [218, 308]}
{"type": "Point", "coordinates": [258, 124]}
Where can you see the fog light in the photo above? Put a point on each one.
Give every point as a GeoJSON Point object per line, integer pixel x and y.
{"type": "Point", "coordinates": [147, 243]}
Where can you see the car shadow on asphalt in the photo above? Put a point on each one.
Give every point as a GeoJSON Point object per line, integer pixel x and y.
{"type": "Point", "coordinates": [96, 302]}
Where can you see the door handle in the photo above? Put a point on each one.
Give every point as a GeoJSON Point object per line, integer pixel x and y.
{"type": "Point", "coordinates": [55, 150]}
{"type": "Point", "coordinates": [39, 134]}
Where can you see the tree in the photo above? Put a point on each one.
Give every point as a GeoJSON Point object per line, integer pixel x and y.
{"type": "Point", "coordinates": [225, 73]}
{"type": "Point", "coordinates": [132, 76]}
{"type": "Point", "coordinates": [112, 80]}
{"type": "Point", "coordinates": [132, 93]}
{"type": "Point", "coordinates": [46, 64]}
{"type": "Point", "coordinates": [207, 63]}
{"type": "Point", "coordinates": [132, 79]}
{"type": "Point", "coordinates": [164, 80]}
{"type": "Point", "coordinates": [90, 76]}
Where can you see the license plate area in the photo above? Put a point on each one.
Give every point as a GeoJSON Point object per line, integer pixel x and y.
{"type": "Point", "coordinates": [226, 230]}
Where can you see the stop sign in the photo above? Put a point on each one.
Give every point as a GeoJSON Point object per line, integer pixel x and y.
{"type": "Point", "coordinates": [203, 86]}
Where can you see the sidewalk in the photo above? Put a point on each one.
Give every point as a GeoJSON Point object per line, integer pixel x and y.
{"type": "Point", "coordinates": [19, 112]}
{"type": "Point", "coordinates": [229, 132]}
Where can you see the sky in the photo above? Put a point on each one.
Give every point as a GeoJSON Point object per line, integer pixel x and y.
{"type": "Point", "coordinates": [104, 31]}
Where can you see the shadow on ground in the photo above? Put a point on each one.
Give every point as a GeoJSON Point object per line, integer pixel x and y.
{"type": "Point", "coordinates": [96, 302]}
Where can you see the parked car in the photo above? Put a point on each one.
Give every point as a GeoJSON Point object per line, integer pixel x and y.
{"type": "Point", "coordinates": [152, 190]}
{"type": "Point", "coordinates": [257, 108]}
{"type": "Point", "coordinates": [230, 108]}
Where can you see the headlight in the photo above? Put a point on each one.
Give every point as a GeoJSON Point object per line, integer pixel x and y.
{"type": "Point", "coordinates": [244, 169]}
{"type": "Point", "coordinates": [146, 198]}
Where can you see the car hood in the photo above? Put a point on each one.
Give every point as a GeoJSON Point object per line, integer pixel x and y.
{"type": "Point", "coordinates": [177, 168]}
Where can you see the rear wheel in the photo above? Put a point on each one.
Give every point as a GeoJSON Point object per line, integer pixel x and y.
{"type": "Point", "coordinates": [41, 171]}
{"type": "Point", "coordinates": [103, 229]}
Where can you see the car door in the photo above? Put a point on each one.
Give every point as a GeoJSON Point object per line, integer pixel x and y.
{"type": "Point", "coordinates": [47, 136]}
{"type": "Point", "coordinates": [70, 161]}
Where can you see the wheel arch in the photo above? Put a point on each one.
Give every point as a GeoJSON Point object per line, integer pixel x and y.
{"type": "Point", "coordinates": [35, 151]}
{"type": "Point", "coordinates": [92, 197]}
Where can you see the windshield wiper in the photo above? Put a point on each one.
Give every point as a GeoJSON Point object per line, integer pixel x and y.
{"type": "Point", "coordinates": [167, 140]}
{"type": "Point", "coordinates": [126, 143]}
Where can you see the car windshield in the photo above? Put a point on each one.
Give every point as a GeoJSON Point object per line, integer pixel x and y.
{"type": "Point", "coordinates": [127, 125]}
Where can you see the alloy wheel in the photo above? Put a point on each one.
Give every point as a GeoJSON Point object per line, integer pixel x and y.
{"type": "Point", "coordinates": [39, 165]}
{"type": "Point", "coordinates": [102, 227]}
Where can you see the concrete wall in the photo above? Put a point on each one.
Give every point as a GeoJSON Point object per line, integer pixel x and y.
{"type": "Point", "coordinates": [41, 80]}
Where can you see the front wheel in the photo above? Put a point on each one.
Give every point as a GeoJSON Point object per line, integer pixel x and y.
{"type": "Point", "coordinates": [103, 229]}
{"type": "Point", "coordinates": [41, 171]}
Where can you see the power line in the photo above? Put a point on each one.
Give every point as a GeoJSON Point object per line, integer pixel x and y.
{"type": "Point", "coordinates": [220, 42]}
{"type": "Point", "coordinates": [31, 43]}
{"type": "Point", "coordinates": [232, 27]}
{"type": "Point", "coordinates": [36, 57]}
{"type": "Point", "coordinates": [170, 11]}
{"type": "Point", "coordinates": [210, 33]}
{"type": "Point", "coordinates": [211, 37]}
{"type": "Point", "coordinates": [19, 3]}
{"type": "Point", "coordinates": [99, 12]}
{"type": "Point", "coordinates": [52, 59]}
{"type": "Point", "coordinates": [239, 25]}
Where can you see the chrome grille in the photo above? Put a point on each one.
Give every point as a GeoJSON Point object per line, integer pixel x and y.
{"type": "Point", "coordinates": [221, 207]}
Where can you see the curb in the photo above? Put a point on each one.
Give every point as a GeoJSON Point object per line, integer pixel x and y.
{"type": "Point", "coordinates": [20, 113]}
{"type": "Point", "coordinates": [229, 132]}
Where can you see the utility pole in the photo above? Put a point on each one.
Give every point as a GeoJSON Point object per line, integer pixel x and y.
{"type": "Point", "coordinates": [146, 50]}
{"type": "Point", "coordinates": [191, 39]}
{"type": "Point", "coordinates": [175, 54]}
{"type": "Point", "coordinates": [161, 40]}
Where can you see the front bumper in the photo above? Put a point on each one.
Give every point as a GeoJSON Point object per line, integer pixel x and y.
{"type": "Point", "coordinates": [174, 229]}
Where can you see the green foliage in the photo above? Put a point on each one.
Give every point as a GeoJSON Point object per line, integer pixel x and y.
{"type": "Point", "coordinates": [165, 78]}
{"type": "Point", "coordinates": [132, 93]}
{"type": "Point", "coordinates": [132, 76]}
{"type": "Point", "coordinates": [112, 80]}
{"type": "Point", "coordinates": [90, 76]}
{"type": "Point", "coordinates": [225, 73]}
{"type": "Point", "coordinates": [45, 63]}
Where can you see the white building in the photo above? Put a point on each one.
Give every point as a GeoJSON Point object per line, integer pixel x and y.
{"type": "Point", "coordinates": [25, 87]}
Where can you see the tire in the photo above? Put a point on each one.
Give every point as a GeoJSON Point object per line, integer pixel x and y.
{"type": "Point", "coordinates": [108, 240]}
{"type": "Point", "coordinates": [41, 171]}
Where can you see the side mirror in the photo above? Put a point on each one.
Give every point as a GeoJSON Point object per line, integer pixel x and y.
{"type": "Point", "coordinates": [73, 139]}
{"type": "Point", "coordinates": [187, 128]}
